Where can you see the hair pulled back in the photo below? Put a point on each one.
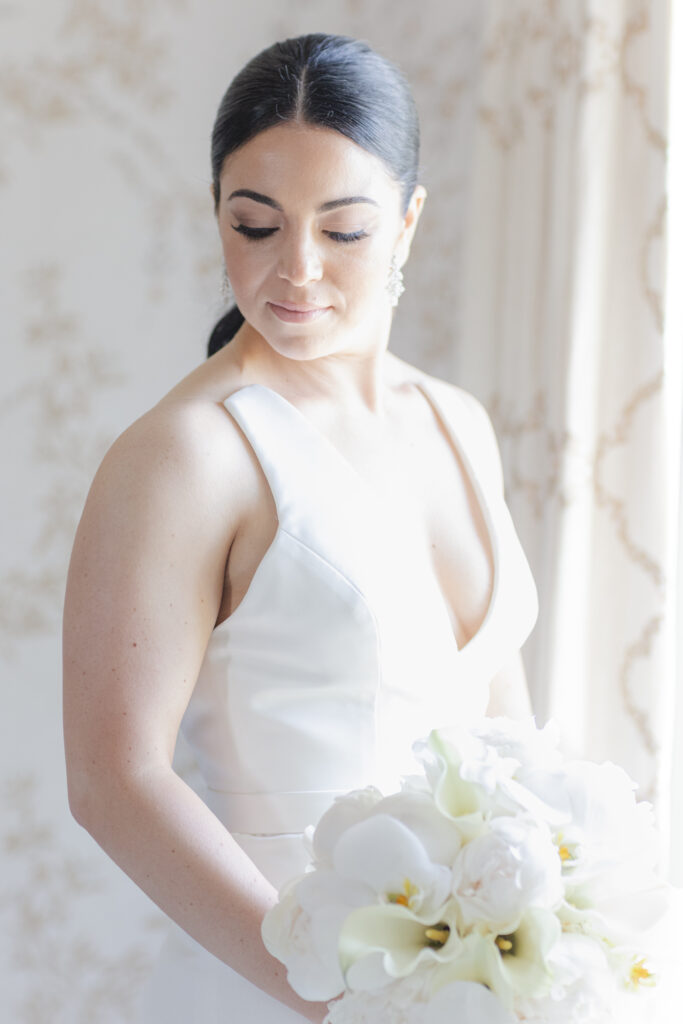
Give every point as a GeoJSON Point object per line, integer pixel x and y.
{"type": "Point", "coordinates": [326, 80]}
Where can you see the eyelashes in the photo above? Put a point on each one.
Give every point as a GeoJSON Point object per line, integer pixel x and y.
{"type": "Point", "coordinates": [336, 236]}
{"type": "Point", "coordinates": [253, 232]}
{"type": "Point", "coordinates": [339, 236]}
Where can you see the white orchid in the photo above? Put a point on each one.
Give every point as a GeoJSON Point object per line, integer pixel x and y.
{"type": "Point", "coordinates": [499, 874]}
{"type": "Point", "coordinates": [345, 811]}
{"type": "Point", "coordinates": [418, 812]}
{"type": "Point", "coordinates": [387, 856]}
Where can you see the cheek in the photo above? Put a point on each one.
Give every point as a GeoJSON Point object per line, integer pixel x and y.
{"type": "Point", "coordinates": [365, 270]}
{"type": "Point", "coordinates": [246, 268]}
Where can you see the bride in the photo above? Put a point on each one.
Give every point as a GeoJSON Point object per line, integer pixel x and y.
{"type": "Point", "coordinates": [301, 555]}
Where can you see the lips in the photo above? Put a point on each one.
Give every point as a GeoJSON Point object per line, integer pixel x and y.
{"type": "Point", "coordinates": [297, 313]}
{"type": "Point", "coordinates": [294, 307]}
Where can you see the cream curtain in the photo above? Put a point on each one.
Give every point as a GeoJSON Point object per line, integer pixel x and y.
{"type": "Point", "coordinates": [565, 335]}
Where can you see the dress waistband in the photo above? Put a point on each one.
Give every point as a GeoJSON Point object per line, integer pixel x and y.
{"type": "Point", "coordinates": [268, 814]}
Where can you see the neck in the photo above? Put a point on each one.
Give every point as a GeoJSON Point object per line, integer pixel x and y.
{"type": "Point", "coordinates": [351, 379]}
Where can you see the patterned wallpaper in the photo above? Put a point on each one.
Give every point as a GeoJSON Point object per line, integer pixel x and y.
{"type": "Point", "coordinates": [109, 285]}
{"type": "Point", "coordinates": [109, 278]}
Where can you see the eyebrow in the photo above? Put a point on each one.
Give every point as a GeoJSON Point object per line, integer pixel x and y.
{"type": "Point", "coordinates": [333, 204]}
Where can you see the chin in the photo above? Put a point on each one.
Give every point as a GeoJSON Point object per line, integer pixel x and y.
{"type": "Point", "coordinates": [300, 344]}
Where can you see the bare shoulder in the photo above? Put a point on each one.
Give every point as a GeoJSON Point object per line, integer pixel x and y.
{"type": "Point", "coordinates": [187, 442]}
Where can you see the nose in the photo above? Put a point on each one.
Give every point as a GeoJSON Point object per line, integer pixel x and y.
{"type": "Point", "coordinates": [300, 260]}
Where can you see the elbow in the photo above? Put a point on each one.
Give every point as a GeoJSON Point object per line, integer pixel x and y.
{"type": "Point", "coordinates": [103, 794]}
{"type": "Point", "coordinates": [90, 790]}
{"type": "Point", "coordinates": [82, 797]}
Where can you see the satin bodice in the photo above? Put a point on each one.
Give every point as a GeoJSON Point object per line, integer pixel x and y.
{"type": "Point", "coordinates": [341, 654]}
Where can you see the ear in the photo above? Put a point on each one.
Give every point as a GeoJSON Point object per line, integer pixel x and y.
{"type": "Point", "coordinates": [405, 238]}
{"type": "Point", "coordinates": [212, 190]}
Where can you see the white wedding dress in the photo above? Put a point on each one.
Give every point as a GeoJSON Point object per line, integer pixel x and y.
{"type": "Point", "coordinates": [339, 656]}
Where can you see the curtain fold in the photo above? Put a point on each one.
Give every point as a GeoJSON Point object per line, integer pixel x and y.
{"type": "Point", "coordinates": [563, 338]}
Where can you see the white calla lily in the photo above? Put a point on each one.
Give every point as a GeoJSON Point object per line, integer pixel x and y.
{"type": "Point", "coordinates": [471, 780]}
{"type": "Point", "coordinates": [512, 965]}
{"type": "Point", "coordinates": [524, 962]}
{"type": "Point", "coordinates": [379, 943]}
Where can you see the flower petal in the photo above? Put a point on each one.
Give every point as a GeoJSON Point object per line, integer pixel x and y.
{"type": "Point", "coordinates": [345, 811]}
{"type": "Point", "coordinates": [313, 970]}
{"type": "Point", "coordinates": [396, 933]}
{"type": "Point", "coordinates": [417, 811]}
{"type": "Point", "coordinates": [383, 853]}
{"type": "Point", "coordinates": [464, 1002]}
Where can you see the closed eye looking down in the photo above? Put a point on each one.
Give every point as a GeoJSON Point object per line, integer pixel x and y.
{"type": "Point", "coordinates": [337, 236]}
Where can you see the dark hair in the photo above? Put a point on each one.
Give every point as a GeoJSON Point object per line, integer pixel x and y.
{"type": "Point", "coordinates": [332, 81]}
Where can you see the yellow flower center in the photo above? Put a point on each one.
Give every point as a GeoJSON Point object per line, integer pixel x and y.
{"type": "Point", "coordinates": [563, 849]}
{"type": "Point", "coordinates": [438, 935]}
{"type": "Point", "coordinates": [403, 899]}
{"type": "Point", "coordinates": [640, 975]}
{"type": "Point", "coordinates": [505, 943]}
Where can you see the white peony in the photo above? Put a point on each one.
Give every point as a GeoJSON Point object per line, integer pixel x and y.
{"type": "Point", "coordinates": [464, 1002]}
{"type": "Point", "coordinates": [498, 875]}
{"type": "Point", "coordinates": [291, 934]}
{"type": "Point", "coordinates": [611, 845]}
{"type": "Point", "coordinates": [583, 987]}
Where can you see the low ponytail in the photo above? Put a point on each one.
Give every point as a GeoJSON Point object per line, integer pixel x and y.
{"type": "Point", "coordinates": [226, 328]}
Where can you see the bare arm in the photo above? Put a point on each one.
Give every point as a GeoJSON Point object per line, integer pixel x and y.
{"type": "Point", "coordinates": [509, 694]}
{"type": "Point", "coordinates": [143, 592]}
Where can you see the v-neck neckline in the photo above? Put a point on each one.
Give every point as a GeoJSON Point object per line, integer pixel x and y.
{"type": "Point", "coordinates": [473, 478]}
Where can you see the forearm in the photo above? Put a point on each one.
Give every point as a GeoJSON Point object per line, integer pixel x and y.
{"type": "Point", "coordinates": [168, 841]}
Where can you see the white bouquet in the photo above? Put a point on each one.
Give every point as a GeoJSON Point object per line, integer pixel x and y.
{"type": "Point", "coordinates": [502, 884]}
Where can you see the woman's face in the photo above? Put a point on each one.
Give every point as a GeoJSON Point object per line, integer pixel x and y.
{"type": "Point", "coordinates": [309, 222]}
